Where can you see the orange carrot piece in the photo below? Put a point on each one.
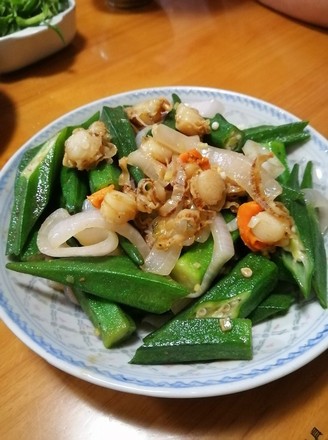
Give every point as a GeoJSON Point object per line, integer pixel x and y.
{"type": "Point", "coordinates": [194, 156]}
{"type": "Point", "coordinates": [245, 212]}
{"type": "Point", "coordinates": [97, 197]}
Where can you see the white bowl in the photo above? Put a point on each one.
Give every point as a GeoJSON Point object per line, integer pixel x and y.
{"type": "Point", "coordinates": [61, 333]}
{"type": "Point", "coordinates": [29, 45]}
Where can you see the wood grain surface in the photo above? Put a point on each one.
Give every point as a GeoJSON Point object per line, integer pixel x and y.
{"type": "Point", "coordinates": [236, 45]}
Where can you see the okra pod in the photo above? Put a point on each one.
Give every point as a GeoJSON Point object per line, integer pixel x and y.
{"type": "Point", "coordinates": [33, 188]}
{"type": "Point", "coordinates": [276, 304]}
{"type": "Point", "coordinates": [289, 134]}
{"type": "Point", "coordinates": [115, 278]}
{"type": "Point", "coordinates": [74, 188]}
{"type": "Point", "coordinates": [122, 135]}
{"type": "Point", "coordinates": [299, 259]}
{"type": "Point", "coordinates": [109, 319]}
{"type": "Point", "coordinates": [196, 340]}
{"type": "Point", "coordinates": [190, 268]}
{"type": "Point", "coordinates": [239, 292]}
{"type": "Point", "coordinates": [131, 251]}
{"type": "Point", "coordinates": [319, 282]}
{"type": "Point", "coordinates": [169, 119]}
{"type": "Point", "coordinates": [224, 134]}
{"type": "Point", "coordinates": [235, 295]}
{"type": "Point", "coordinates": [307, 179]}
{"type": "Point", "coordinates": [278, 148]}
{"type": "Point", "coordinates": [103, 175]}
{"type": "Point", "coordinates": [192, 265]}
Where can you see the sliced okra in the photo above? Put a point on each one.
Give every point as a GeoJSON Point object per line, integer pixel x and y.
{"type": "Point", "coordinates": [224, 134]}
{"type": "Point", "coordinates": [289, 134]}
{"type": "Point", "coordinates": [109, 319]}
{"type": "Point", "coordinates": [103, 175]}
{"type": "Point", "coordinates": [122, 135]}
{"type": "Point", "coordinates": [115, 278]}
{"type": "Point", "coordinates": [196, 340]}
{"type": "Point", "coordinates": [74, 188]}
{"type": "Point", "coordinates": [34, 187]}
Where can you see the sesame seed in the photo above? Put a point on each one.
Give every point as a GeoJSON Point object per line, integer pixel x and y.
{"type": "Point", "coordinates": [225, 324]}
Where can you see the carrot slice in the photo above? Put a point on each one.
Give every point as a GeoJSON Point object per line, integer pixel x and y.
{"type": "Point", "coordinates": [194, 156]}
{"type": "Point", "coordinates": [97, 197]}
{"type": "Point", "coordinates": [245, 212]}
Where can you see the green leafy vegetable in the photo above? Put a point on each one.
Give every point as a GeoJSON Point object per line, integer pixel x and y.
{"type": "Point", "coordinates": [16, 15]}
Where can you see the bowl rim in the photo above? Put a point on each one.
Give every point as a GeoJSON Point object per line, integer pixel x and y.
{"type": "Point", "coordinates": [32, 30]}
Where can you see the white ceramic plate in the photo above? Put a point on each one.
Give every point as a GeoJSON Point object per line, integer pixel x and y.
{"type": "Point", "coordinates": [34, 43]}
{"type": "Point", "coordinates": [61, 334]}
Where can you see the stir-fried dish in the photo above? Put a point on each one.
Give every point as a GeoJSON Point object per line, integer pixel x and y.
{"type": "Point", "coordinates": [166, 208]}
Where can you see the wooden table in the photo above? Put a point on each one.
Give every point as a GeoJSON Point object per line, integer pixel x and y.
{"type": "Point", "coordinates": [235, 45]}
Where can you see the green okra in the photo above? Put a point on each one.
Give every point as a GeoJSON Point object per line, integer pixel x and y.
{"type": "Point", "coordinates": [74, 188]}
{"type": "Point", "coordinates": [169, 119]}
{"type": "Point", "coordinates": [276, 304]}
{"type": "Point", "coordinates": [299, 258]}
{"type": "Point", "coordinates": [235, 295]}
{"type": "Point", "coordinates": [115, 278]}
{"type": "Point", "coordinates": [192, 265]}
{"type": "Point", "coordinates": [307, 179]}
{"type": "Point", "coordinates": [34, 186]}
{"type": "Point", "coordinates": [278, 148]}
{"type": "Point", "coordinates": [131, 251]}
{"type": "Point", "coordinates": [196, 340]}
{"type": "Point", "coordinates": [284, 274]}
{"type": "Point", "coordinates": [103, 175]}
{"type": "Point", "coordinates": [30, 250]}
{"type": "Point", "coordinates": [229, 217]}
{"type": "Point", "coordinates": [122, 135]}
{"type": "Point", "coordinates": [319, 281]}
{"type": "Point", "coordinates": [109, 319]}
{"type": "Point", "coordinates": [239, 292]}
{"type": "Point", "coordinates": [289, 134]}
{"type": "Point", "coordinates": [224, 134]}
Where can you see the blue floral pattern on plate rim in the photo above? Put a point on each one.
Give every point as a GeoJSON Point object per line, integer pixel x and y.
{"type": "Point", "coordinates": [60, 333]}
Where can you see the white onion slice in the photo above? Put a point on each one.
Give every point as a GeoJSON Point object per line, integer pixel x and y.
{"type": "Point", "coordinates": [174, 140]}
{"type": "Point", "coordinates": [237, 167]}
{"type": "Point", "coordinates": [73, 224]}
{"type": "Point", "coordinates": [316, 199]}
{"type": "Point", "coordinates": [207, 109]}
{"type": "Point", "coordinates": [232, 225]}
{"type": "Point", "coordinates": [151, 167]}
{"type": "Point", "coordinates": [273, 165]}
{"type": "Point", "coordinates": [56, 230]}
{"type": "Point", "coordinates": [141, 134]}
{"type": "Point", "coordinates": [134, 236]}
{"type": "Point", "coordinates": [223, 251]}
{"type": "Point", "coordinates": [161, 261]}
